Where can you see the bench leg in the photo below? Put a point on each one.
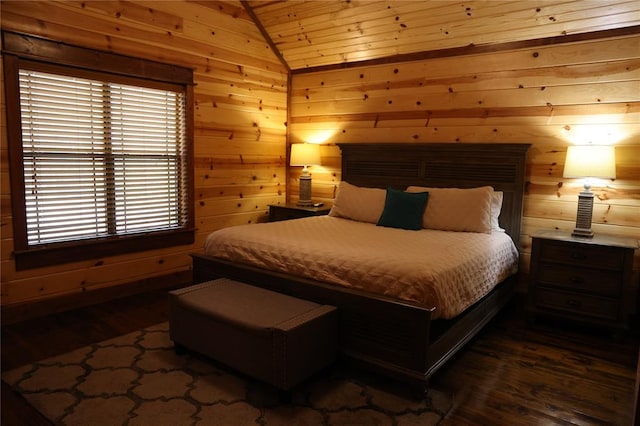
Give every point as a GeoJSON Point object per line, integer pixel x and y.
{"type": "Point", "coordinates": [284, 396]}
{"type": "Point", "coordinates": [264, 395]}
{"type": "Point", "coordinates": [179, 349]}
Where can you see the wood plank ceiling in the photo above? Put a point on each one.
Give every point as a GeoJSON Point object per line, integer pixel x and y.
{"type": "Point", "coordinates": [317, 33]}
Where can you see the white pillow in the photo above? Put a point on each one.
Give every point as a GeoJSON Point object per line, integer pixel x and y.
{"type": "Point", "coordinates": [458, 209]}
{"type": "Point", "coordinates": [358, 203]}
{"type": "Point", "coordinates": [496, 207]}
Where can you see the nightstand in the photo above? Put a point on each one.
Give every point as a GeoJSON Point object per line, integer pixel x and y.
{"type": "Point", "coordinates": [583, 280]}
{"type": "Point", "coordinates": [293, 211]}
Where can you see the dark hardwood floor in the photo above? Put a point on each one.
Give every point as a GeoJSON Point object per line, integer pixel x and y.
{"type": "Point", "coordinates": [547, 373]}
{"type": "Point", "coordinates": [512, 373]}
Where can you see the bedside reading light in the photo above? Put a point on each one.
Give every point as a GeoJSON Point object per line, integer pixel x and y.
{"type": "Point", "coordinates": [588, 161]}
{"type": "Point", "coordinates": [305, 154]}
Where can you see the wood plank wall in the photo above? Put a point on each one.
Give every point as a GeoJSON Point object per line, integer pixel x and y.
{"type": "Point", "coordinates": [548, 96]}
{"type": "Point", "coordinates": [240, 124]}
{"type": "Point", "coordinates": [545, 96]}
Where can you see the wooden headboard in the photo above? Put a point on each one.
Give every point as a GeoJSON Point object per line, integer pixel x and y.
{"type": "Point", "coordinates": [459, 165]}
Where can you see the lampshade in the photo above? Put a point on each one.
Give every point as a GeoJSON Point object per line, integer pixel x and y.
{"type": "Point", "coordinates": [305, 154]}
{"type": "Point", "coordinates": [590, 161]}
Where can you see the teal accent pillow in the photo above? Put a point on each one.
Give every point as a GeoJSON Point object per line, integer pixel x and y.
{"type": "Point", "coordinates": [403, 210]}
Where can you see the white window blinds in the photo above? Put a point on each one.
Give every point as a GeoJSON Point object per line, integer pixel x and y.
{"type": "Point", "coordinates": [100, 158]}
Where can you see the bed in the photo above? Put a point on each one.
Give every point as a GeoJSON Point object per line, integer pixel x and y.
{"type": "Point", "coordinates": [401, 333]}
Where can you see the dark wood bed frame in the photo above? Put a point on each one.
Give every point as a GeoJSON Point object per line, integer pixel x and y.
{"type": "Point", "coordinates": [395, 337]}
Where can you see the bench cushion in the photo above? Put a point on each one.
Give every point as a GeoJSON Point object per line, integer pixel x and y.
{"type": "Point", "coordinates": [242, 304]}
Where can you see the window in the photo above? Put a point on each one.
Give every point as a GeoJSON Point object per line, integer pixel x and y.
{"type": "Point", "coordinates": [101, 163]}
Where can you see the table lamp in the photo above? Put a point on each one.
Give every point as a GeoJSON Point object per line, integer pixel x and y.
{"type": "Point", "coordinates": [305, 154]}
{"type": "Point", "coordinates": [588, 161]}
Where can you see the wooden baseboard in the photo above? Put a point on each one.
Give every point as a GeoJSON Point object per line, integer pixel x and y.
{"type": "Point", "coordinates": [18, 312]}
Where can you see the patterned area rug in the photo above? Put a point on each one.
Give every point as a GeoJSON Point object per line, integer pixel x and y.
{"type": "Point", "coordinates": [137, 379]}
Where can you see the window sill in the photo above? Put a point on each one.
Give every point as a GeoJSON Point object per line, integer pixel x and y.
{"type": "Point", "coordinates": [95, 249]}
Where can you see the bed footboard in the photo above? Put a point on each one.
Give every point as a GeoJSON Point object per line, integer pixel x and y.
{"type": "Point", "coordinates": [463, 328]}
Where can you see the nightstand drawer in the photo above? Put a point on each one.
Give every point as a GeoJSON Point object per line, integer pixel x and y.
{"type": "Point", "coordinates": [581, 304]}
{"type": "Point", "coordinates": [582, 255]}
{"type": "Point", "coordinates": [593, 281]}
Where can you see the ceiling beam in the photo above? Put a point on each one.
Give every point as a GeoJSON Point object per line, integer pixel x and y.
{"type": "Point", "coordinates": [265, 34]}
{"type": "Point", "coordinates": [473, 49]}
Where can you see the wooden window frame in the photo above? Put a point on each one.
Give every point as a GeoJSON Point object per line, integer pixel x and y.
{"type": "Point", "coordinates": [18, 48]}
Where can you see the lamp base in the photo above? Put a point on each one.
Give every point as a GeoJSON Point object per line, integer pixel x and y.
{"type": "Point", "coordinates": [304, 199]}
{"type": "Point", "coordinates": [583, 233]}
{"type": "Point", "coordinates": [585, 212]}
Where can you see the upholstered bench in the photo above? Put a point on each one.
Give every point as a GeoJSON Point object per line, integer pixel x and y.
{"type": "Point", "coordinates": [272, 337]}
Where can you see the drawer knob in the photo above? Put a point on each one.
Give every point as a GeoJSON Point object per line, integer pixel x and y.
{"type": "Point", "coordinates": [573, 303]}
{"type": "Point", "coordinates": [577, 256]}
{"type": "Point", "coordinates": [576, 280]}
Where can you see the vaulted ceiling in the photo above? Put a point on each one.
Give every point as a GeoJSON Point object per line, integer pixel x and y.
{"type": "Point", "coordinates": [316, 33]}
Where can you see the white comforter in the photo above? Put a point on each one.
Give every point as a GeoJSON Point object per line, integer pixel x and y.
{"type": "Point", "coordinates": [446, 270]}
